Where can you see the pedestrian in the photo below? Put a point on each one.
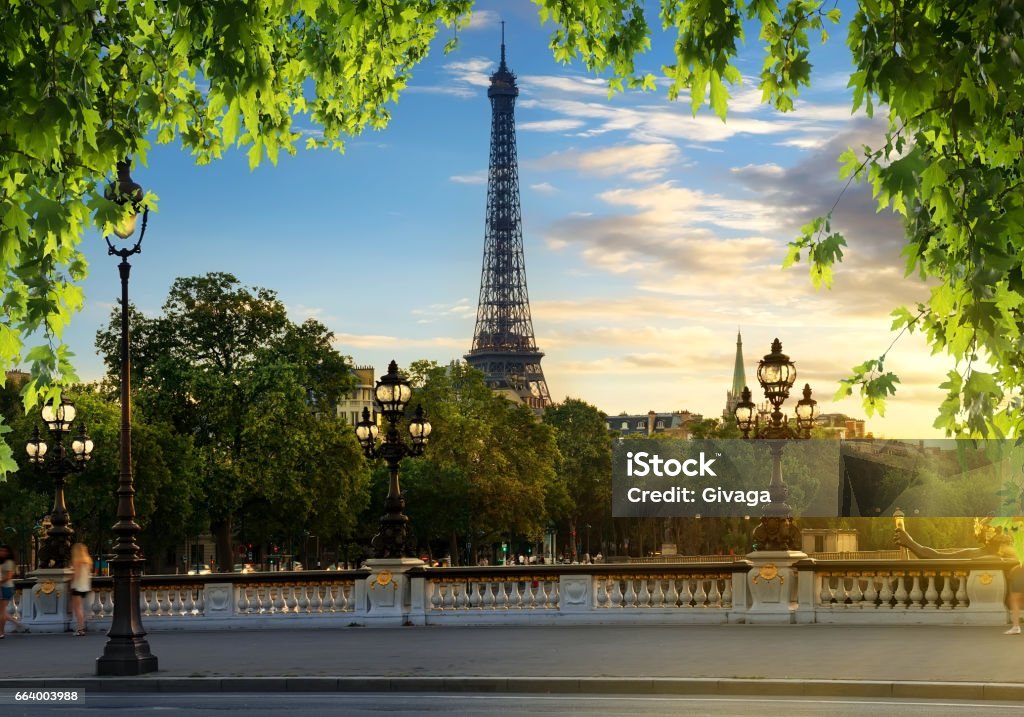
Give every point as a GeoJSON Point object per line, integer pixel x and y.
{"type": "Point", "coordinates": [81, 583]}
{"type": "Point", "coordinates": [7, 567]}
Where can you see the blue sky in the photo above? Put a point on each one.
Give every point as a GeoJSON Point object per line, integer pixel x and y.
{"type": "Point", "coordinates": [650, 234]}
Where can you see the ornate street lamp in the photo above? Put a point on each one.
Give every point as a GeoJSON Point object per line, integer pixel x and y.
{"type": "Point", "coordinates": [776, 373]}
{"type": "Point", "coordinates": [127, 650]}
{"type": "Point", "coordinates": [395, 539]}
{"type": "Point", "coordinates": [56, 550]}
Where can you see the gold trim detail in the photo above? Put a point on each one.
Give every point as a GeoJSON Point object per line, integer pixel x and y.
{"type": "Point", "coordinates": [985, 579]}
{"type": "Point", "coordinates": [768, 573]}
{"type": "Point", "coordinates": [46, 587]}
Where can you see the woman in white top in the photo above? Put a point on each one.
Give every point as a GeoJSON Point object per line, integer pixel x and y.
{"type": "Point", "coordinates": [81, 583]}
{"type": "Point", "coordinates": [7, 588]}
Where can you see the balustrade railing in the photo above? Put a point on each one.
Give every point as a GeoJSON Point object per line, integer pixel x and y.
{"type": "Point", "coordinates": [747, 590]}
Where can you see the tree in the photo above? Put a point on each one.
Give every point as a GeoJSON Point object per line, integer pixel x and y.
{"type": "Point", "coordinates": [490, 466]}
{"type": "Point", "coordinates": [585, 467]}
{"type": "Point", "coordinates": [163, 464]}
{"type": "Point", "coordinates": [256, 393]}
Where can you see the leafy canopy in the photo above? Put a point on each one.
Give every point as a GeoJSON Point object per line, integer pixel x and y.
{"type": "Point", "coordinates": [86, 83]}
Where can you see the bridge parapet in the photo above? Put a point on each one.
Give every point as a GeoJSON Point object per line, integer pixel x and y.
{"type": "Point", "coordinates": [878, 592]}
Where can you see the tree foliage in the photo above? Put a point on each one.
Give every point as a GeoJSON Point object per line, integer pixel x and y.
{"type": "Point", "coordinates": [585, 466]}
{"type": "Point", "coordinates": [86, 83]}
{"type": "Point", "coordinates": [948, 78]}
{"type": "Point", "coordinates": [490, 467]}
{"type": "Point", "coordinates": [256, 393]}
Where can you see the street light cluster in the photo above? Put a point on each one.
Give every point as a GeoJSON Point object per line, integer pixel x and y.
{"type": "Point", "coordinates": [393, 393]}
{"type": "Point", "coordinates": [56, 552]}
{"type": "Point", "coordinates": [776, 373]}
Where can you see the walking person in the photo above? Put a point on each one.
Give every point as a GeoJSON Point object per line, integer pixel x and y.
{"type": "Point", "coordinates": [81, 583]}
{"type": "Point", "coordinates": [7, 567]}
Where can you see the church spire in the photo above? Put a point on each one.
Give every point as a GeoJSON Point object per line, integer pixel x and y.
{"type": "Point", "coordinates": [739, 376]}
{"type": "Point", "coordinates": [739, 381]}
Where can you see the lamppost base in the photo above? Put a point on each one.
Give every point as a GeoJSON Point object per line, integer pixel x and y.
{"type": "Point", "coordinates": [126, 657]}
{"type": "Point", "coordinates": [47, 609]}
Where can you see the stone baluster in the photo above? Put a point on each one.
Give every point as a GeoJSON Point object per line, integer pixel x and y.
{"type": "Point", "coordinates": [555, 593]}
{"type": "Point", "coordinates": [700, 596]}
{"type": "Point", "coordinates": [630, 596]}
{"type": "Point", "coordinates": [885, 594]}
{"type": "Point", "coordinates": [947, 591]}
{"type": "Point", "coordinates": [303, 603]}
{"type": "Point", "coordinates": [901, 591]}
{"type": "Point", "coordinates": [489, 596]}
{"type": "Point", "coordinates": [671, 592]}
{"type": "Point", "coordinates": [855, 594]}
{"type": "Point", "coordinates": [916, 596]}
{"type": "Point", "coordinates": [961, 590]}
{"type": "Point", "coordinates": [826, 596]}
{"type": "Point", "coordinates": [541, 591]}
{"type": "Point", "coordinates": [685, 592]}
{"type": "Point", "coordinates": [931, 595]}
{"type": "Point", "coordinates": [95, 608]}
{"type": "Point", "coordinates": [501, 599]}
{"type": "Point", "coordinates": [279, 602]}
{"type": "Point", "coordinates": [176, 603]}
{"type": "Point", "coordinates": [201, 600]}
{"type": "Point", "coordinates": [727, 592]}
{"type": "Point", "coordinates": [618, 598]}
{"type": "Point", "coordinates": [870, 593]}
{"type": "Point", "coordinates": [644, 596]}
{"type": "Point", "coordinates": [435, 595]}
{"type": "Point", "coordinates": [329, 600]}
{"type": "Point", "coordinates": [243, 599]}
{"type": "Point", "coordinates": [516, 599]}
{"type": "Point", "coordinates": [316, 604]}
{"type": "Point", "coordinates": [658, 592]}
{"type": "Point", "coordinates": [531, 593]}
{"type": "Point", "coordinates": [714, 595]}
{"type": "Point", "coordinates": [291, 603]}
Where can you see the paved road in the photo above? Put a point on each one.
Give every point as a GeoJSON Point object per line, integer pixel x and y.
{"type": "Point", "coordinates": [411, 705]}
{"type": "Point", "coordinates": [830, 652]}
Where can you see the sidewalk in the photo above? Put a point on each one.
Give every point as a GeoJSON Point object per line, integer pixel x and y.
{"type": "Point", "coordinates": [922, 661]}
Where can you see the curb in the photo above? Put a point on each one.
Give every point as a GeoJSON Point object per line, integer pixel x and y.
{"type": "Point", "coordinates": [710, 686]}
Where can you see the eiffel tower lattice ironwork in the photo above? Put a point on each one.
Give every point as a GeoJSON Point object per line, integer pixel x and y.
{"type": "Point", "coordinates": [504, 347]}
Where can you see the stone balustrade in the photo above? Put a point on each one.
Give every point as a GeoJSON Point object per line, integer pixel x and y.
{"type": "Point", "coordinates": [805, 591]}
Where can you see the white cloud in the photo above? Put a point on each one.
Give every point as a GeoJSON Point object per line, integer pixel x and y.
{"type": "Point", "coordinates": [555, 125]}
{"type": "Point", "coordinates": [562, 85]}
{"type": "Point", "coordinates": [479, 177]}
{"type": "Point", "coordinates": [544, 188]}
{"type": "Point", "coordinates": [483, 19]}
{"type": "Point", "coordinates": [640, 162]}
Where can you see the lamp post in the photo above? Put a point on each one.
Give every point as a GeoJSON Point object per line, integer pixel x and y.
{"type": "Point", "coordinates": [776, 373]}
{"type": "Point", "coordinates": [56, 551]}
{"type": "Point", "coordinates": [127, 650]}
{"type": "Point", "coordinates": [395, 539]}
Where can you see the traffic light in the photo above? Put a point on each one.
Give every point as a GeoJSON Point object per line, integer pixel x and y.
{"type": "Point", "coordinates": [504, 547]}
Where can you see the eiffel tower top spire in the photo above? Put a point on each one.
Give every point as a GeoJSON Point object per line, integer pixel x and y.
{"type": "Point", "coordinates": [504, 347]}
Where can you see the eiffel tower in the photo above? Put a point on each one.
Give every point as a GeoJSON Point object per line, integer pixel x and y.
{"type": "Point", "coordinates": [504, 348]}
